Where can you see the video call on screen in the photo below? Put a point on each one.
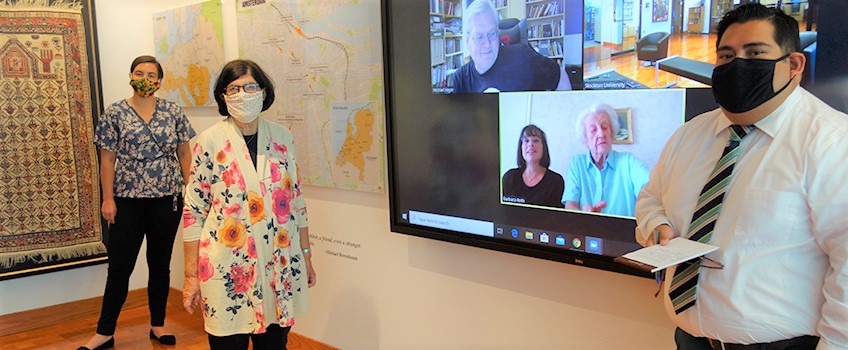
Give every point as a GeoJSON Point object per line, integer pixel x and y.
{"type": "Point", "coordinates": [456, 149]}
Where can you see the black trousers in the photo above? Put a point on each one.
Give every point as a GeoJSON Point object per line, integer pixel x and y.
{"type": "Point", "coordinates": [686, 341]}
{"type": "Point", "coordinates": [136, 218]}
{"type": "Point", "coordinates": [275, 338]}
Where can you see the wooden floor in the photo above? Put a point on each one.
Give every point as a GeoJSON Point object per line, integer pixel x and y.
{"type": "Point", "coordinates": [699, 47]}
{"type": "Point", "coordinates": [79, 319]}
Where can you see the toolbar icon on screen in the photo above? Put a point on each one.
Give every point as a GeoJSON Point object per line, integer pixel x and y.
{"type": "Point", "coordinates": [594, 245]}
{"type": "Point", "coordinates": [560, 240]}
{"type": "Point", "coordinates": [576, 242]}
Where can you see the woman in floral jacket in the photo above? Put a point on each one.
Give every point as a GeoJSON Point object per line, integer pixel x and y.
{"type": "Point", "coordinates": [247, 252]}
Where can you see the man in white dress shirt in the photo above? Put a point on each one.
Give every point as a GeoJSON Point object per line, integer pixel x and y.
{"type": "Point", "coordinates": [782, 229]}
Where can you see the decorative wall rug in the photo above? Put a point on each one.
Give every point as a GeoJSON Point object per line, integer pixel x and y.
{"type": "Point", "coordinates": [49, 187]}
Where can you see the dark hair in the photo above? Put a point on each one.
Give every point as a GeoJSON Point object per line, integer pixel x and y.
{"type": "Point", "coordinates": [147, 59]}
{"type": "Point", "coordinates": [533, 130]}
{"type": "Point", "coordinates": [785, 27]}
{"type": "Point", "coordinates": [237, 69]}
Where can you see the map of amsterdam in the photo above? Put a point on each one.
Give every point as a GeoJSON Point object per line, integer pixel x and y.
{"type": "Point", "coordinates": [190, 46]}
{"type": "Point", "coordinates": [325, 58]}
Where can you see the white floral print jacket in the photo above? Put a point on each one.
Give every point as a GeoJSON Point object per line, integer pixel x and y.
{"type": "Point", "coordinates": [250, 264]}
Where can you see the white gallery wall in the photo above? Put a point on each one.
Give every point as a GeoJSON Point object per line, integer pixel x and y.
{"type": "Point", "coordinates": [382, 290]}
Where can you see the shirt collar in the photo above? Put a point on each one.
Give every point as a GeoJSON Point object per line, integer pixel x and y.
{"type": "Point", "coordinates": [607, 164]}
{"type": "Point", "coordinates": [772, 122]}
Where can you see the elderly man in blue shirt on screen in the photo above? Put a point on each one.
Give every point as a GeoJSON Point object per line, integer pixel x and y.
{"type": "Point", "coordinates": [602, 180]}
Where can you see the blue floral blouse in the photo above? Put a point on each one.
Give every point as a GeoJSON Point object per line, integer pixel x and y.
{"type": "Point", "coordinates": [147, 165]}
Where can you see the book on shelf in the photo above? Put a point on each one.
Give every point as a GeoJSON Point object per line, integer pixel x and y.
{"type": "Point", "coordinates": [439, 78]}
{"type": "Point", "coordinates": [452, 63]}
{"type": "Point", "coordinates": [547, 32]}
{"type": "Point", "coordinates": [451, 46]}
{"type": "Point", "coordinates": [437, 51]}
{"type": "Point", "coordinates": [556, 48]}
{"type": "Point", "coordinates": [435, 6]}
{"type": "Point", "coordinates": [544, 10]}
{"type": "Point", "coordinates": [454, 26]}
{"type": "Point", "coordinates": [451, 9]}
{"type": "Point", "coordinates": [545, 47]}
{"type": "Point", "coordinates": [544, 30]}
{"type": "Point", "coordinates": [437, 27]}
{"type": "Point", "coordinates": [533, 12]}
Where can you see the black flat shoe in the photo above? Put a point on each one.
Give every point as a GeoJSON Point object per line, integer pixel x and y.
{"type": "Point", "coordinates": [108, 344]}
{"type": "Point", "coordinates": [165, 339]}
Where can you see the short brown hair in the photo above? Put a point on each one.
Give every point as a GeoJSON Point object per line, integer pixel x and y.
{"type": "Point", "coordinates": [147, 59]}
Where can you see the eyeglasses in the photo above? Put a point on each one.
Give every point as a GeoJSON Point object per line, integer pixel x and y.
{"type": "Point", "coordinates": [492, 35]}
{"type": "Point", "coordinates": [251, 88]}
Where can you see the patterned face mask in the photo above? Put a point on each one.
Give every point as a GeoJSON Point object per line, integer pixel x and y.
{"type": "Point", "coordinates": [144, 87]}
{"type": "Point", "coordinates": [245, 107]}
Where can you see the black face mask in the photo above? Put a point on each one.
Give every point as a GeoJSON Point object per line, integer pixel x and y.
{"type": "Point", "coordinates": [744, 84]}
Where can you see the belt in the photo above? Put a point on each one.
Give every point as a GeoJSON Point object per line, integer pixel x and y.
{"type": "Point", "coordinates": [802, 342]}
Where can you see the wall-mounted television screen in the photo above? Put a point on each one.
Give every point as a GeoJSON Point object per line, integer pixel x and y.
{"type": "Point", "coordinates": [457, 160]}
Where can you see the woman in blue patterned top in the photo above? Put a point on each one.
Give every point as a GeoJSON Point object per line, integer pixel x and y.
{"type": "Point", "coordinates": [142, 194]}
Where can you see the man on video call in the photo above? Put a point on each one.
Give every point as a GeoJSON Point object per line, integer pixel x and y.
{"type": "Point", "coordinates": [496, 68]}
{"type": "Point", "coordinates": [776, 204]}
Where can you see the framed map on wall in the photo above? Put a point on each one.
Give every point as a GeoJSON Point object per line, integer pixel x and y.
{"type": "Point", "coordinates": [189, 43]}
{"type": "Point", "coordinates": [50, 96]}
{"type": "Point", "coordinates": [327, 61]}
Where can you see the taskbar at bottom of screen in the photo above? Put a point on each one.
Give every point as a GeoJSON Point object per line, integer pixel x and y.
{"type": "Point", "coordinates": [580, 243]}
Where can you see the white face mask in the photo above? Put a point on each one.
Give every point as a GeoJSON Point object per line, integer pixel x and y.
{"type": "Point", "coordinates": [245, 107]}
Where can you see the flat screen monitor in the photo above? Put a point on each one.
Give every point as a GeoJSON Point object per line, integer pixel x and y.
{"type": "Point", "coordinates": [450, 153]}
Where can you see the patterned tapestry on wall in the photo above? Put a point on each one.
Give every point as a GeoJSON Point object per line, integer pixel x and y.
{"type": "Point", "coordinates": [49, 97]}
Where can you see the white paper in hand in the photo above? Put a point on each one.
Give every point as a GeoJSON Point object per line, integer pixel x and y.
{"type": "Point", "coordinates": [676, 251]}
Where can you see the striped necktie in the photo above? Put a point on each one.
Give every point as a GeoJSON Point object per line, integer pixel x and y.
{"type": "Point", "coordinates": [684, 284]}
